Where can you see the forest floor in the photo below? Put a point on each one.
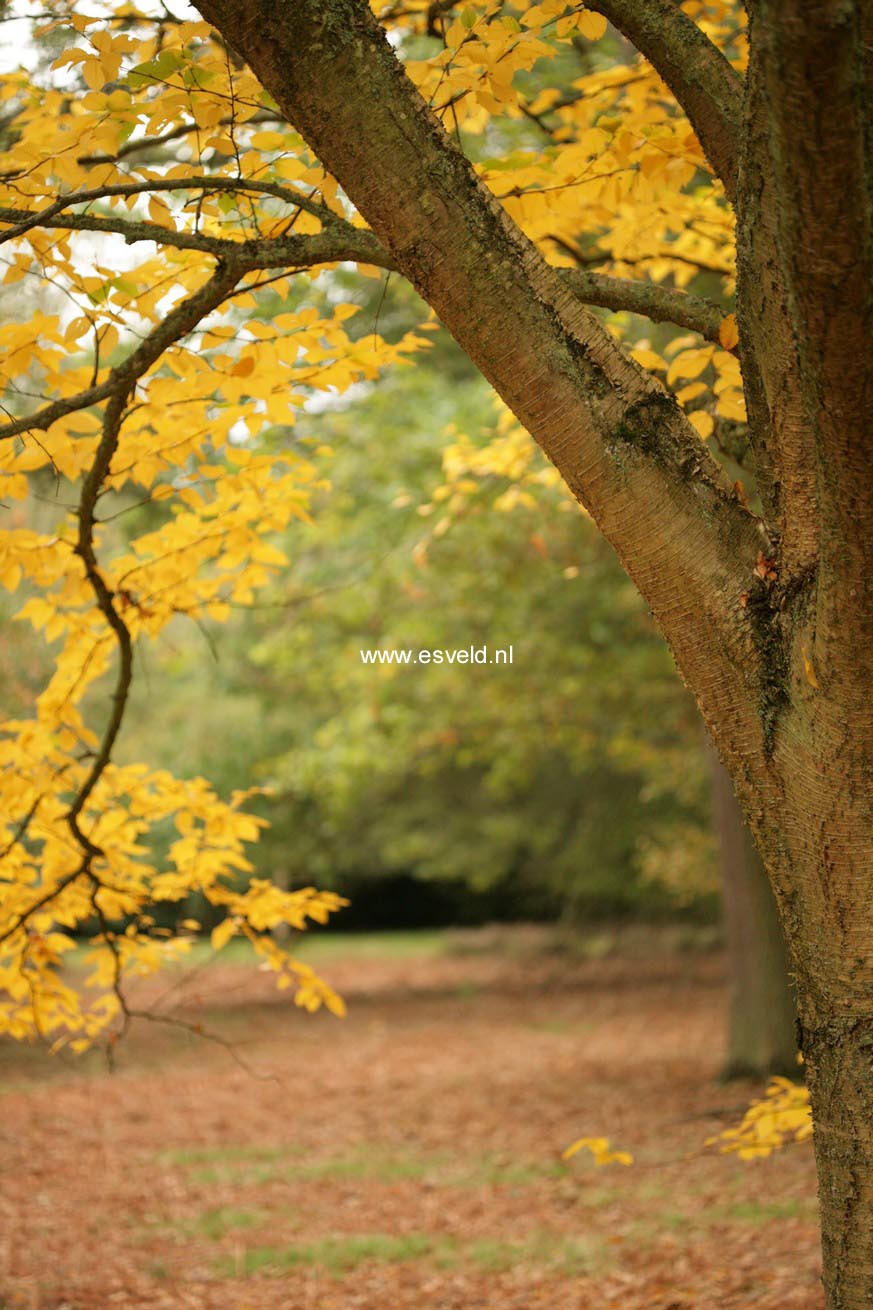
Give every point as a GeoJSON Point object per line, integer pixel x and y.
{"type": "Point", "coordinates": [407, 1156]}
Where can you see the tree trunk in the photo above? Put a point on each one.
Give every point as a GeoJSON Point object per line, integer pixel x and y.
{"type": "Point", "coordinates": [762, 1036]}
{"type": "Point", "coordinates": [805, 266]}
{"type": "Point", "coordinates": [839, 1056]}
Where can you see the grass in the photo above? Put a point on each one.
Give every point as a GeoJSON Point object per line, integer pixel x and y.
{"type": "Point", "coordinates": [759, 1213]}
{"type": "Point", "coordinates": [317, 944]}
{"type": "Point", "coordinates": [223, 1154]}
{"type": "Point", "coordinates": [338, 1255]}
{"type": "Point", "coordinates": [693, 1224]}
{"type": "Point", "coordinates": [214, 1224]}
{"type": "Point", "coordinates": [521, 941]}
{"type": "Point", "coordinates": [562, 1255]}
{"type": "Point", "coordinates": [260, 1164]}
{"type": "Point", "coordinates": [314, 945]}
{"type": "Point", "coordinates": [218, 1222]}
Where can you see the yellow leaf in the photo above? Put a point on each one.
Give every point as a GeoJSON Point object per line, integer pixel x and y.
{"type": "Point", "coordinates": [731, 405]}
{"type": "Point", "coordinates": [159, 211]}
{"type": "Point", "coordinates": [728, 334]}
{"type": "Point", "coordinates": [691, 392]}
{"type": "Point", "coordinates": [702, 422]}
{"type": "Point", "coordinates": [592, 26]}
{"type": "Point", "coordinates": [648, 358]}
{"type": "Point", "coordinates": [92, 71]}
{"type": "Point", "coordinates": [599, 1148]}
{"type": "Point", "coordinates": [269, 141]}
{"type": "Point", "coordinates": [680, 343]}
{"type": "Point", "coordinates": [691, 363]}
{"type": "Point", "coordinates": [77, 328]}
{"type": "Point", "coordinates": [222, 933]}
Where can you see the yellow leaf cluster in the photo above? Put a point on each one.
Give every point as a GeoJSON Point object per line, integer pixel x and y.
{"type": "Point", "coordinates": [600, 1150]}
{"type": "Point", "coordinates": [782, 1115]}
{"type": "Point", "coordinates": [77, 829]}
{"type": "Point", "coordinates": [505, 470]}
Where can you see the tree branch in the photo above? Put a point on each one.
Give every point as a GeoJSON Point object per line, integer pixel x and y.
{"type": "Point", "coordinates": [703, 82]}
{"type": "Point", "coordinates": [117, 387]}
{"type": "Point", "coordinates": [141, 144]}
{"type": "Point", "coordinates": [660, 304]}
{"type": "Point", "coordinates": [589, 259]}
{"type": "Point", "coordinates": [337, 242]}
{"type": "Point", "coordinates": [806, 229]}
{"type": "Point", "coordinates": [225, 185]}
{"type": "Point", "coordinates": [341, 241]}
{"type": "Point", "coordinates": [91, 486]}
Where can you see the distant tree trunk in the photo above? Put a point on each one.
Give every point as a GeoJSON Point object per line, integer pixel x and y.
{"type": "Point", "coordinates": [762, 1027]}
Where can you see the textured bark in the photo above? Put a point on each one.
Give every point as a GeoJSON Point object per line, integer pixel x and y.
{"type": "Point", "coordinates": [658, 304]}
{"type": "Point", "coordinates": [805, 217]}
{"type": "Point", "coordinates": [762, 1037]}
{"type": "Point", "coordinates": [839, 1057]}
{"type": "Point", "coordinates": [783, 679]}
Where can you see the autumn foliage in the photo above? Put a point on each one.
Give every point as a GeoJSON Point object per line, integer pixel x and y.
{"type": "Point", "coordinates": [162, 223]}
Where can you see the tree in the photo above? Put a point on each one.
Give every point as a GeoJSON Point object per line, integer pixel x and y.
{"type": "Point", "coordinates": [764, 598]}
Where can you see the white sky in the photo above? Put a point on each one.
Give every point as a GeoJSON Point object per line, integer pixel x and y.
{"type": "Point", "coordinates": [16, 48]}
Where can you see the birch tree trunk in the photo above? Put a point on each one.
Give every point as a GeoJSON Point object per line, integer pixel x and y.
{"type": "Point", "coordinates": [769, 619]}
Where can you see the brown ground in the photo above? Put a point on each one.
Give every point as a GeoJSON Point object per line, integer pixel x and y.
{"type": "Point", "coordinates": [408, 1156]}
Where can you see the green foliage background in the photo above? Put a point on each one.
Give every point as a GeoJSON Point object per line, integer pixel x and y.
{"type": "Point", "coordinates": [570, 784]}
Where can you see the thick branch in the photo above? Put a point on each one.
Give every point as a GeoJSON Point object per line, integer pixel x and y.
{"type": "Point", "coordinates": [660, 304]}
{"type": "Point", "coordinates": [704, 83]}
{"type": "Point", "coordinates": [806, 270]}
{"type": "Point", "coordinates": [621, 443]}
